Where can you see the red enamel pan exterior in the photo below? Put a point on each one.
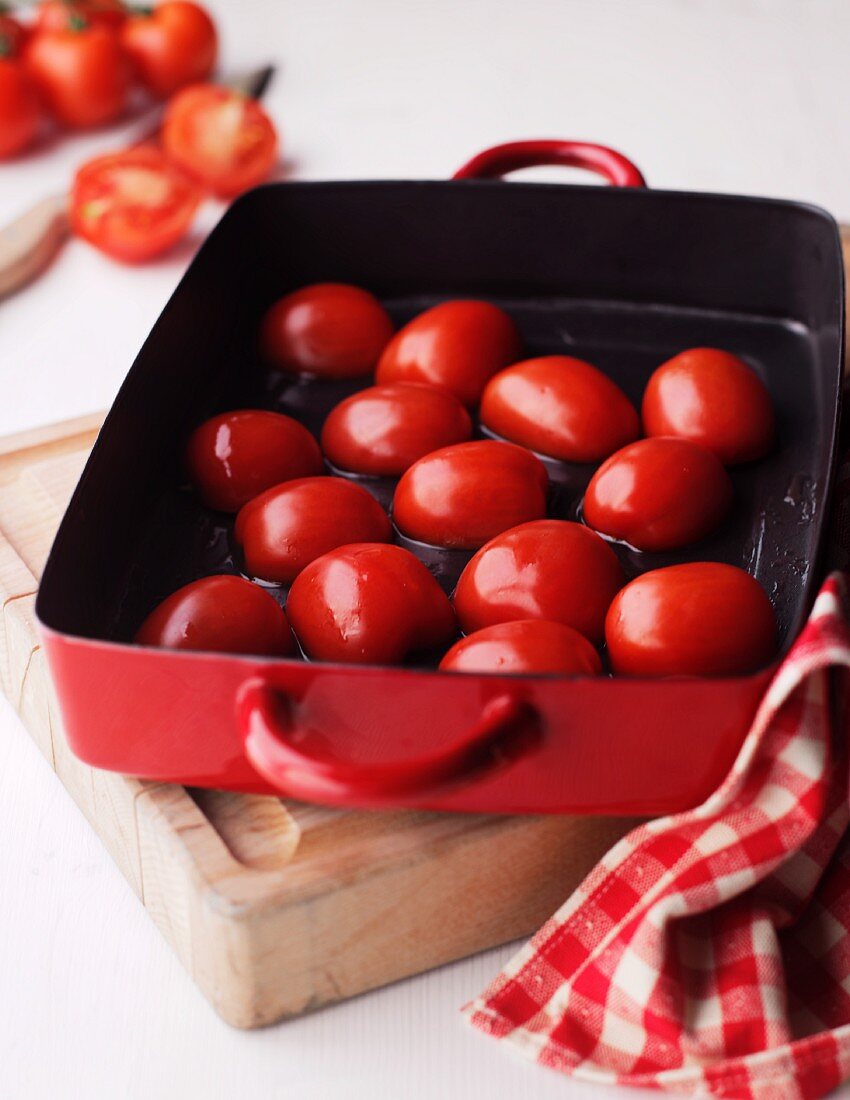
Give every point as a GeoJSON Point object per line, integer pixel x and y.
{"type": "Point", "coordinates": [621, 275]}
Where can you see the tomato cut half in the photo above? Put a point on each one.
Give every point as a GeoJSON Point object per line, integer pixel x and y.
{"type": "Point", "coordinates": [222, 138]}
{"type": "Point", "coordinates": [132, 205]}
{"type": "Point", "coordinates": [701, 618]}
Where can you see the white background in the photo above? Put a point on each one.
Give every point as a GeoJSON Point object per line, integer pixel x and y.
{"type": "Point", "coordinates": [746, 96]}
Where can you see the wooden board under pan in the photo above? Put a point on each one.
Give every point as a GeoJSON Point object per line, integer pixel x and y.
{"type": "Point", "coordinates": [274, 908]}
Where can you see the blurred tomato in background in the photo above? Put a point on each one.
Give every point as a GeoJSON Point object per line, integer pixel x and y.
{"type": "Point", "coordinates": [133, 205]}
{"type": "Point", "coordinates": [82, 74]}
{"type": "Point", "coordinates": [19, 110]}
{"type": "Point", "coordinates": [221, 137]}
{"type": "Point", "coordinates": [171, 45]}
{"type": "Point", "coordinates": [83, 64]}
{"type": "Point", "coordinates": [65, 15]}
{"type": "Point", "coordinates": [12, 34]}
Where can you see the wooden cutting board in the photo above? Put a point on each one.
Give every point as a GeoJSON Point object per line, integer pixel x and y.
{"type": "Point", "coordinates": [274, 907]}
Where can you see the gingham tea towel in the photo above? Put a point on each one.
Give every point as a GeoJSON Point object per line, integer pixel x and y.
{"type": "Point", "coordinates": [709, 951]}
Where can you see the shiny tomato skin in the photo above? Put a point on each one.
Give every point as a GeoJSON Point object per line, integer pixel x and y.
{"type": "Point", "coordinates": [381, 431]}
{"type": "Point", "coordinates": [462, 495]}
{"type": "Point", "coordinates": [698, 619]}
{"type": "Point", "coordinates": [549, 569]}
{"type": "Point", "coordinates": [331, 330]}
{"type": "Point", "coordinates": [658, 494]}
{"type": "Point", "coordinates": [171, 45]}
{"type": "Point", "coordinates": [221, 614]}
{"type": "Point", "coordinates": [560, 407]}
{"type": "Point", "coordinates": [368, 604]}
{"type": "Point", "coordinates": [82, 75]}
{"type": "Point", "coordinates": [62, 15]}
{"type": "Point", "coordinates": [234, 457]}
{"type": "Point", "coordinates": [713, 398]}
{"type": "Point", "coordinates": [20, 115]}
{"type": "Point", "coordinates": [284, 529]}
{"type": "Point", "coordinates": [526, 646]}
{"type": "Point", "coordinates": [458, 344]}
{"type": "Point", "coordinates": [132, 205]}
{"type": "Point", "coordinates": [220, 137]}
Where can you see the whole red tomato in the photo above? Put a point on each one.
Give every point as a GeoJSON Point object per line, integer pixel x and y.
{"type": "Point", "coordinates": [526, 646]}
{"type": "Point", "coordinates": [238, 455]}
{"type": "Point", "coordinates": [63, 15]}
{"type": "Point", "coordinates": [368, 604]}
{"type": "Point", "coordinates": [561, 407]}
{"type": "Point", "coordinates": [331, 330]}
{"type": "Point", "coordinates": [698, 619]}
{"type": "Point", "coordinates": [463, 495]}
{"type": "Point", "coordinates": [458, 345]}
{"type": "Point", "coordinates": [132, 205]}
{"type": "Point", "coordinates": [223, 139]}
{"type": "Point", "coordinates": [223, 614]}
{"type": "Point", "coordinates": [658, 494]}
{"type": "Point", "coordinates": [284, 529]}
{"type": "Point", "coordinates": [171, 45]}
{"type": "Point", "coordinates": [82, 74]}
{"type": "Point", "coordinates": [19, 110]}
{"type": "Point", "coordinates": [713, 398]}
{"type": "Point", "coordinates": [550, 569]}
{"type": "Point", "coordinates": [383, 430]}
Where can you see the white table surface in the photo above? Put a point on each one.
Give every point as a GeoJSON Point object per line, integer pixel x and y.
{"type": "Point", "coordinates": [746, 96]}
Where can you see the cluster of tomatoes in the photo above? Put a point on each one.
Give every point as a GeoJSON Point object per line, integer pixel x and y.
{"type": "Point", "coordinates": [78, 61]}
{"type": "Point", "coordinates": [537, 594]}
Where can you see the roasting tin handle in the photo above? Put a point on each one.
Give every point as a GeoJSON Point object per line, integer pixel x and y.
{"type": "Point", "coordinates": [265, 717]}
{"type": "Point", "coordinates": [500, 159]}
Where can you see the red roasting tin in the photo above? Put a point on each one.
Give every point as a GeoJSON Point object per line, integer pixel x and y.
{"type": "Point", "coordinates": [622, 276]}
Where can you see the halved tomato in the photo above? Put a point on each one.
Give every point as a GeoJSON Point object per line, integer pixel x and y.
{"type": "Point", "coordinates": [382, 430]}
{"type": "Point", "coordinates": [548, 569]}
{"type": "Point", "coordinates": [462, 495]}
{"type": "Point", "coordinates": [330, 330]}
{"type": "Point", "coordinates": [133, 205]}
{"type": "Point", "coordinates": [561, 407]}
{"type": "Point", "coordinates": [237, 455]}
{"type": "Point", "coordinates": [702, 618]}
{"type": "Point", "coordinates": [458, 345]}
{"type": "Point", "coordinates": [658, 494]}
{"type": "Point", "coordinates": [368, 603]}
{"type": "Point", "coordinates": [220, 614]}
{"type": "Point", "coordinates": [222, 138]}
{"type": "Point", "coordinates": [524, 646]}
{"type": "Point", "coordinates": [290, 525]}
{"type": "Point", "coordinates": [714, 398]}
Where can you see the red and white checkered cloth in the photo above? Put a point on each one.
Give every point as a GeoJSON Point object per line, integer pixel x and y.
{"type": "Point", "coordinates": [709, 951]}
